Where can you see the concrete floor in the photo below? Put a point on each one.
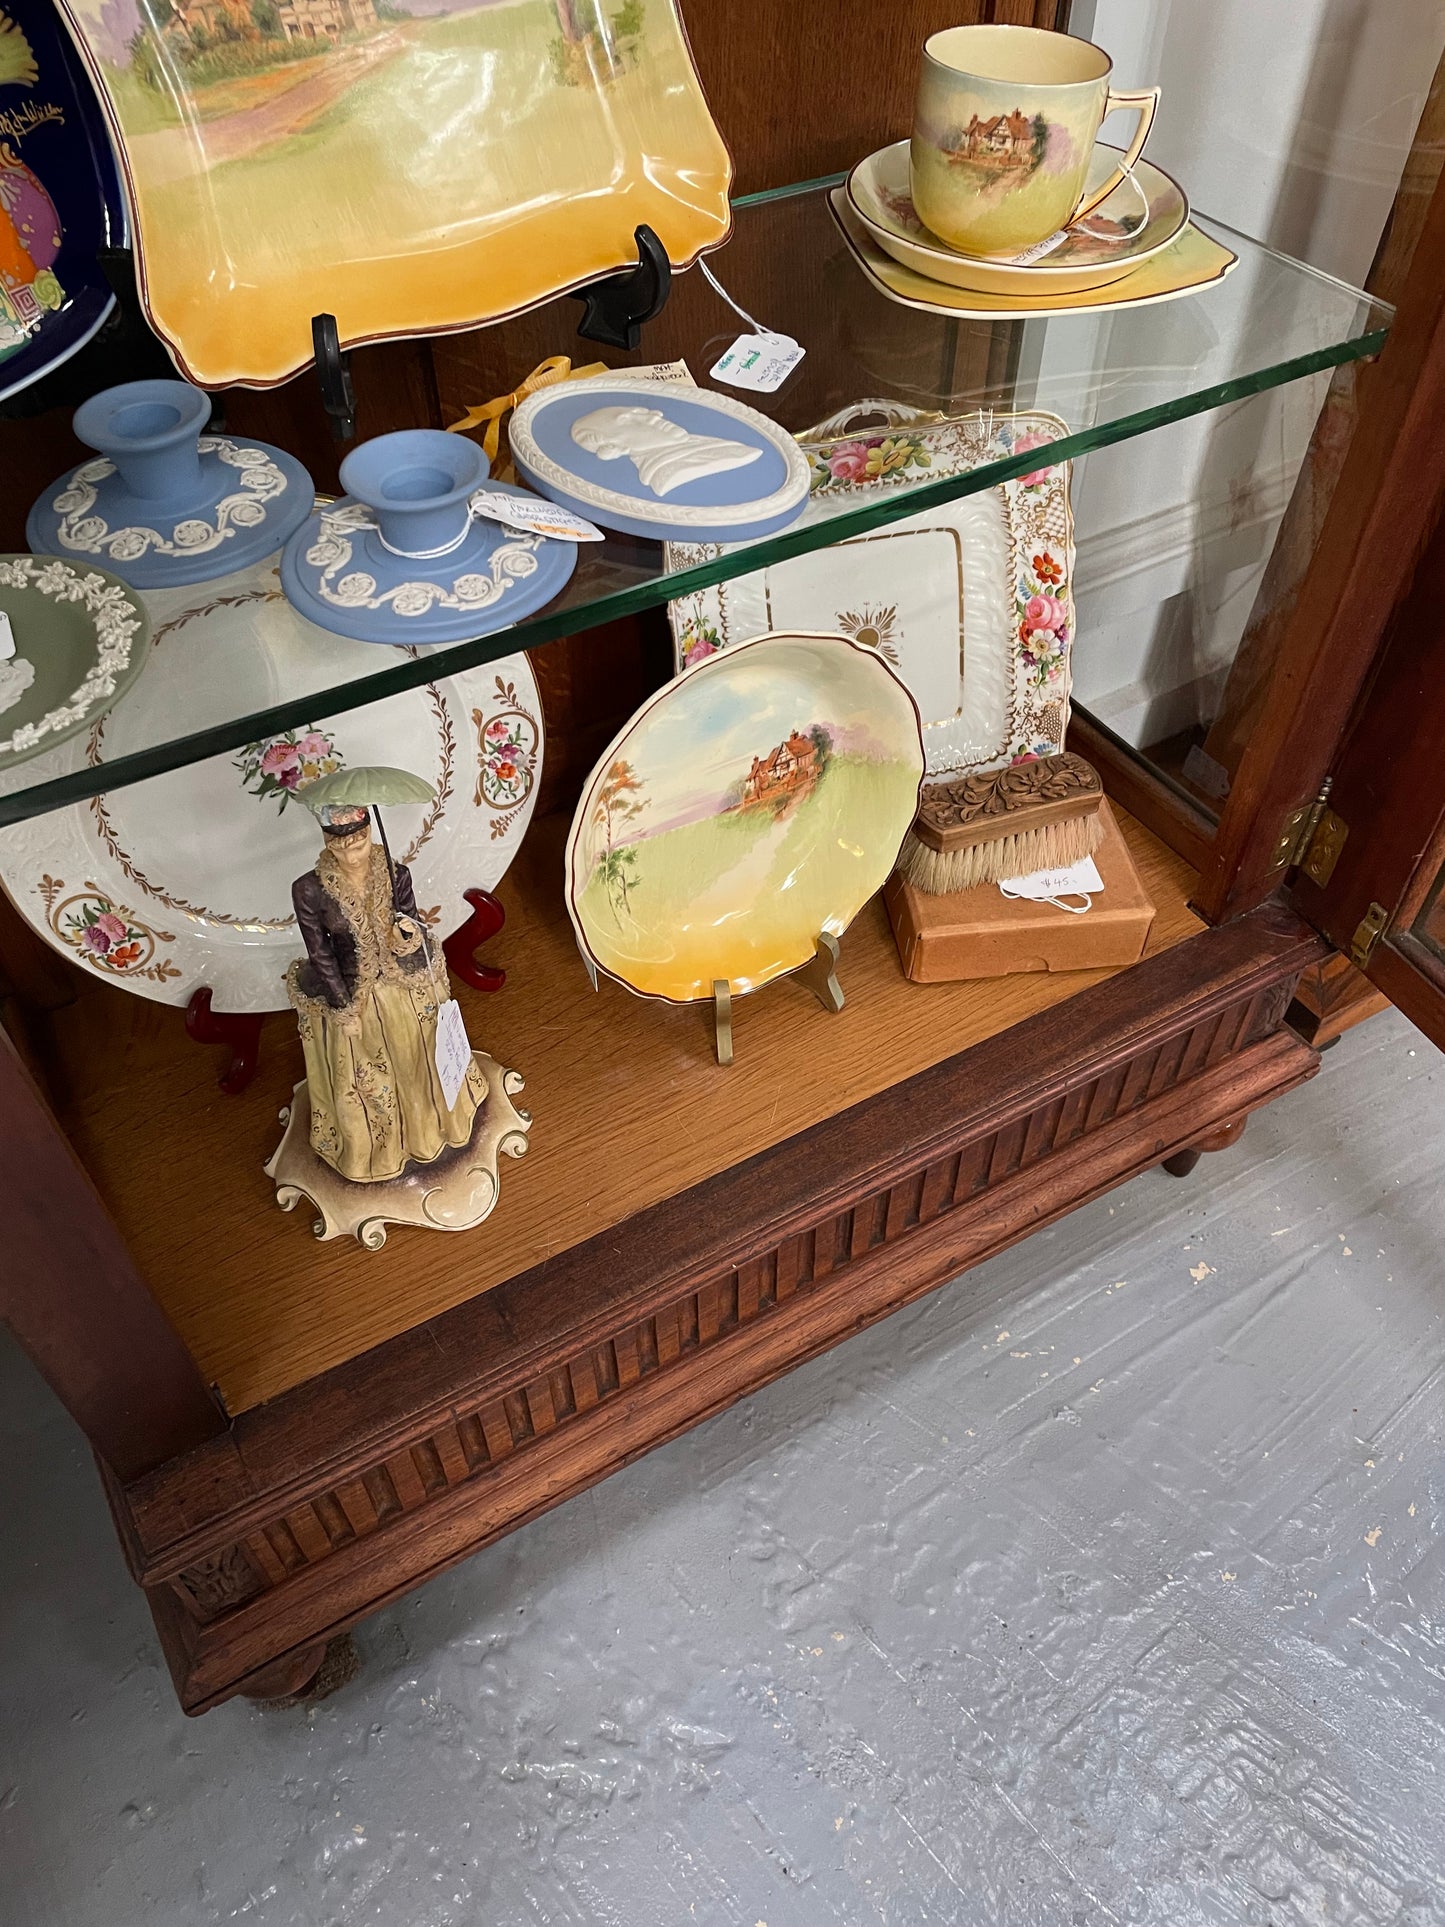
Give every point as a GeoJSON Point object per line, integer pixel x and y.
{"type": "Point", "coordinates": [1107, 1585]}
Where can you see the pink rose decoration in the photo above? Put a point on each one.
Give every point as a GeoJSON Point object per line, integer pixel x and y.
{"type": "Point", "coordinates": [1025, 756]}
{"type": "Point", "coordinates": [496, 731]}
{"type": "Point", "coordinates": [280, 756]}
{"type": "Point", "coordinates": [696, 651]}
{"type": "Point", "coordinates": [313, 746]}
{"type": "Point", "coordinates": [1022, 447]}
{"type": "Point", "coordinates": [1045, 612]}
{"type": "Point", "coordinates": [849, 462]}
{"type": "Point", "coordinates": [111, 924]}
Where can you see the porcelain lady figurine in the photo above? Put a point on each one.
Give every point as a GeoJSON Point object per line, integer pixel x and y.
{"type": "Point", "coordinates": [366, 999]}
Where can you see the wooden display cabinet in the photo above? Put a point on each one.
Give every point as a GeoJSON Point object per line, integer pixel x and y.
{"type": "Point", "coordinates": [292, 1435]}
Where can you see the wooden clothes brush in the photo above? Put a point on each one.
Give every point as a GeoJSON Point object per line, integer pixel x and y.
{"type": "Point", "coordinates": [1001, 823]}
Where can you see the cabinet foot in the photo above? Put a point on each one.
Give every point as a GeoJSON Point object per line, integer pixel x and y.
{"type": "Point", "coordinates": [310, 1675]}
{"type": "Point", "coordinates": [1220, 1139]}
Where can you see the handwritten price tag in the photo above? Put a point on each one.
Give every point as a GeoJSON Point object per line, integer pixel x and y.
{"type": "Point", "coordinates": [453, 1052]}
{"type": "Point", "coordinates": [533, 516]}
{"type": "Point", "coordinates": [759, 362]}
{"type": "Point", "coordinates": [1079, 879]}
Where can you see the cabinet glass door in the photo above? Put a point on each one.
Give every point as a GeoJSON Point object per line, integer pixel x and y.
{"type": "Point", "coordinates": [1373, 876]}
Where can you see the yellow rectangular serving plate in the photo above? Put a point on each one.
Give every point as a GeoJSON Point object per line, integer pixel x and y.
{"type": "Point", "coordinates": [410, 166]}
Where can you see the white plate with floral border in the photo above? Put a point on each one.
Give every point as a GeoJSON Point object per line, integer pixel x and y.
{"type": "Point", "coordinates": [971, 602]}
{"type": "Point", "coordinates": [185, 879]}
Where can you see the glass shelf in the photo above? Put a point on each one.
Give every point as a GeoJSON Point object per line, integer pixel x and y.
{"type": "Point", "coordinates": [1108, 375]}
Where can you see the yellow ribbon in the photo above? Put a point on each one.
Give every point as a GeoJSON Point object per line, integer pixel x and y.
{"type": "Point", "coordinates": [545, 375]}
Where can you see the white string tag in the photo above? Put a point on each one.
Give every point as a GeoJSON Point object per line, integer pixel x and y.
{"type": "Point", "coordinates": [1079, 879]}
{"type": "Point", "coordinates": [453, 1053]}
{"type": "Point", "coordinates": [762, 360]}
{"type": "Point", "coordinates": [533, 518]}
{"type": "Point", "coordinates": [1040, 248]}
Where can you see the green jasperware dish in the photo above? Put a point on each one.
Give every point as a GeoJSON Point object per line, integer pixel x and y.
{"type": "Point", "coordinates": [80, 639]}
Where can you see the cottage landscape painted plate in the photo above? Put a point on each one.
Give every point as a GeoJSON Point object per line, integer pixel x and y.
{"type": "Point", "coordinates": [409, 166]}
{"type": "Point", "coordinates": [756, 802]}
{"type": "Point", "coordinates": [185, 879]}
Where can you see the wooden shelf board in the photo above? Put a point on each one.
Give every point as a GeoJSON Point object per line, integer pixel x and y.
{"type": "Point", "coordinates": [630, 1109]}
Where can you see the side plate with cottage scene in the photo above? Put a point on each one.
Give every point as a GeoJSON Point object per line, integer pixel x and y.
{"type": "Point", "coordinates": [749, 808]}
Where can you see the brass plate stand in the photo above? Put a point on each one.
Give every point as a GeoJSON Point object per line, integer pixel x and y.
{"type": "Point", "coordinates": [820, 974]}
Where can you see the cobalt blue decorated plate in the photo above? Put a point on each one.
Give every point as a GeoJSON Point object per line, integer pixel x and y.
{"type": "Point", "coordinates": [60, 198]}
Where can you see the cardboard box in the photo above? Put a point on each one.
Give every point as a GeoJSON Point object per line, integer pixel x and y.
{"type": "Point", "coordinates": [982, 933]}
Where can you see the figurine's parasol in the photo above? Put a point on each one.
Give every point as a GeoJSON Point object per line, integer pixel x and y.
{"type": "Point", "coordinates": [369, 785]}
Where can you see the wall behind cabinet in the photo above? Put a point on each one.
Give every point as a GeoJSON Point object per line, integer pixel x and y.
{"type": "Point", "coordinates": [1290, 120]}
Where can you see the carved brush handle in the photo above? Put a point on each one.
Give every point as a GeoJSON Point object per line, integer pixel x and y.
{"type": "Point", "coordinates": [989, 804]}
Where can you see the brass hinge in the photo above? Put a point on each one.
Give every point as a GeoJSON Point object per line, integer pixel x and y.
{"type": "Point", "coordinates": [1312, 837]}
{"type": "Point", "coordinates": [1368, 932]}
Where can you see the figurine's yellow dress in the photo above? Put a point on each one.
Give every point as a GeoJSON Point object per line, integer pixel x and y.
{"type": "Point", "coordinates": [377, 1103]}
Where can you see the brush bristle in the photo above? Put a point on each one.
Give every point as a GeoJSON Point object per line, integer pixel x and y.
{"type": "Point", "coordinates": [938, 873]}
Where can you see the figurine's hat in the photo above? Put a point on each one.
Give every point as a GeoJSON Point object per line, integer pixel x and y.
{"type": "Point", "coordinates": [367, 786]}
{"type": "Point", "coordinates": [369, 783]}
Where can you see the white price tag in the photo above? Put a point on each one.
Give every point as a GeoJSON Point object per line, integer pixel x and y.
{"type": "Point", "coordinates": [1039, 248]}
{"type": "Point", "coordinates": [759, 362]}
{"type": "Point", "coordinates": [1079, 879]}
{"type": "Point", "coordinates": [453, 1052]}
{"type": "Point", "coordinates": [675, 373]}
{"type": "Point", "coordinates": [535, 518]}
{"type": "Point", "coordinates": [7, 637]}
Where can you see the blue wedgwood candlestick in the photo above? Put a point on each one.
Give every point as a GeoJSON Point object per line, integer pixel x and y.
{"type": "Point", "coordinates": [163, 504]}
{"type": "Point", "coordinates": [402, 558]}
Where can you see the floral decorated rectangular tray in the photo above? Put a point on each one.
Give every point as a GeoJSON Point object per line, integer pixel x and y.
{"type": "Point", "coordinates": [971, 602]}
{"type": "Point", "coordinates": [410, 166]}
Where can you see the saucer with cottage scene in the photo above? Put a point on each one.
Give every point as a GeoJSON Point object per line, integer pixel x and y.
{"type": "Point", "coordinates": [1145, 213]}
{"type": "Point", "coordinates": [752, 805]}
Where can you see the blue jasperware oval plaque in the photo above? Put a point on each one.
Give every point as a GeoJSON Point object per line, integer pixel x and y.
{"type": "Point", "coordinates": [665, 461]}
